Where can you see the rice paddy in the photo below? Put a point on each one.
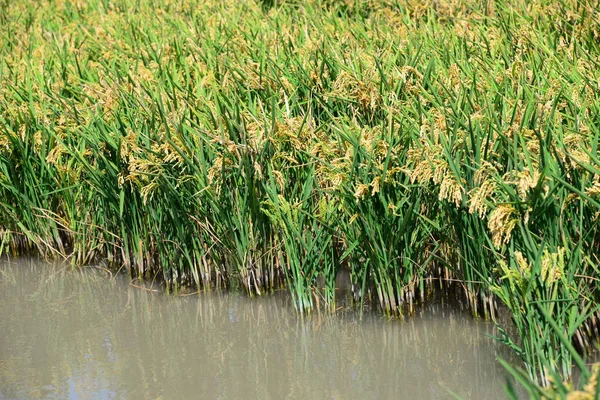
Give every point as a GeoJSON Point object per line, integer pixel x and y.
{"type": "Point", "coordinates": [271, 144]}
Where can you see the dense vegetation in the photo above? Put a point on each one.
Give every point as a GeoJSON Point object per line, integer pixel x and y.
{"type": "Point", "coordinates": [261, 144]}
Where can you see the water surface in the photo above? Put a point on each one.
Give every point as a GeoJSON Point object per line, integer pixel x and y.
{"type": "Point", "coordinates": [82, 335]}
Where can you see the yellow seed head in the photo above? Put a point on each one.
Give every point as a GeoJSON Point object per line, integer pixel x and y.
{"type": "Point", "coordinates": [361, 191]}
{"type": "Point", "coordinates": [501, 222]}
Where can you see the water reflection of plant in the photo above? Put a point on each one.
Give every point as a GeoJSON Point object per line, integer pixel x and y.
{"type": "Point", "coordinates": [107, 334]}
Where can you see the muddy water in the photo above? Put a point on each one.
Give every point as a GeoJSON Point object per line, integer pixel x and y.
{"type": "Point", "coordinates": [82, 335]}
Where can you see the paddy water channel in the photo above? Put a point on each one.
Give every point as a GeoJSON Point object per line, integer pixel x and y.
{"type": "Point", "coordinates": [83, 334]}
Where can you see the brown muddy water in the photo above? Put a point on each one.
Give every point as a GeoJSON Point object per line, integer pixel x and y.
{"type": "Point", "coordinates": [84, 335]}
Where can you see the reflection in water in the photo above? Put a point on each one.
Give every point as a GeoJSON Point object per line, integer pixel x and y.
{"type": "Point", "coordinates": [81, 335]}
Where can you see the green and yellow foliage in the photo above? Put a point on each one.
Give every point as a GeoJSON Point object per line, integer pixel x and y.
{"type": "Point", "coordinates": [218, 143]}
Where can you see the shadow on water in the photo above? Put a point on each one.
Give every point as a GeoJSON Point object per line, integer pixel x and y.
{"type": "Point", "coordinates": [78, 334]}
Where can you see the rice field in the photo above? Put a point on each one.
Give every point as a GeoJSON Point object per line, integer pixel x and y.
{"type": "Point", "coordinates": [260, 145]}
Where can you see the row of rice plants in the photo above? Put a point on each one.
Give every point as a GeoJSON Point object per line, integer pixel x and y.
{"type": "Point", "coordinates": [239, 144]}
